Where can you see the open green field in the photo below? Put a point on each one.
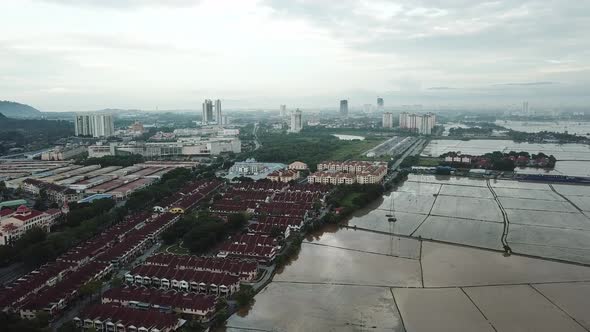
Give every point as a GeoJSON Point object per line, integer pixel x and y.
{"type": "Point", "coordinates": [354, 149]}
{"type": "Point", "coordinates": [310, 148]}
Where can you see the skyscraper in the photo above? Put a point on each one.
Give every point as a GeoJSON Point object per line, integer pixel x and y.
{"type": "Point", "coordinates": [83, 125]}
{"type": "Point", "coordinates": [207, 112]}
{"type": "Point", "coordinates": [283, 111]}
{"type": "Point", "coordinates": [344, 107]}
{"type": "Point", "coordinates": [403, 120]}
{"type": "Point", "coordinates": [296, 121]}
{"type": "Point", "coordinates": [423, 124]}
{"type": "Point", "coordinates": [103, 125]}
{"type": "Point", "coordinates": [95, 125]}
{"type": "Point", "coordinates": [525, 108]}
{"type": "Point", "coordinates": [380, 104]}
{"type": "Point", "coordinates": [387, 120]}
{"type": "Point", "coordinates": [218, 116]}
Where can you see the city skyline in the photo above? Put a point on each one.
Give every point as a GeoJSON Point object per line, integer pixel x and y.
{"type": "Point", "coordinates": [429, 52]}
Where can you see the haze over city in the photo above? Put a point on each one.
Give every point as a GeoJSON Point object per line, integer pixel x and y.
{"type": "Point", "coordinates": [66, 55]}
{"type": "Point", "coordinates": [294, 165]}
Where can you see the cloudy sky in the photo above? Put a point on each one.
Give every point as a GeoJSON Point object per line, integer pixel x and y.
{"type": "Point", "coordinates": [71, 55]}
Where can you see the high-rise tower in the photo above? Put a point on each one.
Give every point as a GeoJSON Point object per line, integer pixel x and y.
{"type": "Point", "coordinates": [296, 121]}
{"type": "Point", "coordinates": [344, 108]}
{"type": "Point", "coordinates": [207, 111]}
{"type": "Point", "coordinates": [218, 116]}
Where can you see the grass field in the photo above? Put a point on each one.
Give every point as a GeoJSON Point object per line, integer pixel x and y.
{"type": "Point", "coordinates": [428, 162]}
{"type": "Point", "coordinates": [353, 149]}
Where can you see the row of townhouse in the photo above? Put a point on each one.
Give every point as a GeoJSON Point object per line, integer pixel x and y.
{"type": "Point", "coordinates": [115, 318]}
{"type": "Point", "coordinates": [188, 196]}
{"type": "Point", "coordinates": [140, 240]}
{"type": "Point", "coordinates": [200, 306]}
{"type": "Point", "coordinates": [31, 283]}
{"type": "Point", "coordinates": [56, 193]}
{"type": "Point", "coordinates": [369, 175]}
{"type": "Point", "coordinates": [77, 258]}
{"type": "Point", "coordinates": [264, 255]}
{"type": "Point", "coordinates": [246, 270]}
{"type": "Point", "coordinates": [203, 282]}
{"type": "Point", "coordinates": [330, 177]}
{"type": "Point", "coordinates": [54, 299]}
{"type": "Point", "coordinates": [89, 261]}
{"type": "Point", "coordinates": [349, 166]}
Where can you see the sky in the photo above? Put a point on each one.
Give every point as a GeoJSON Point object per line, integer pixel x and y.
{"type": "Point", "coordinates": [77, 55]}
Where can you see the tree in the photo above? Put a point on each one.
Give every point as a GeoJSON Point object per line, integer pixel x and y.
{"type": "Point", "coordinates": [276, 232]}
{"type": "Point", "coordinates": [245, 295]}
{"type": "Point", "coordinates": [91, 288]}
{"type": "Point", "coordinates": [43, 194]}
{"type": "Point", "coordinates": [68, 327]}
{"type": "Point", "coordinates": [117, 282]}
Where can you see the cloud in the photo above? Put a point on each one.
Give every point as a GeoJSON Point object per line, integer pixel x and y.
{"type": "Point", "coordinates": [124, 4]}
{"type": "Point", "coordinates": [527, 83]}
{"type": "Point", "coordinates": [442, 41]}
{"type": "Point", "coordinates": [441, 88]}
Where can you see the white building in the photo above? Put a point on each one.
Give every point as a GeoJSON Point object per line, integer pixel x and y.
{"type": "Point", "coordinates": [283, 111]}
{"type": "Point", "coordinates": [99, 150]}
{"type": "Point", "coordinates": [207, 112]}
{"type": "Point", "coordinates": [83, 125]}
{"type": "Point", "coordinates": [95, 125]}
{"type": "Point", "coordinates": [387, 120]}
{"type": "Point", "coordinates": [63, 152]}
{"type": "Point", "coordinates": [298, 166]}
{"type": "Point", "coordinates": [296, 121]}
{"type": "Point", "coordinates": [344, 108]}
{"type": "Point", "coordinates": [218, 116]}
{"type": "Point", "coordinates": [422, 124]}
{"type": "Point", "coordinates": [196, 147]}
{"type": "Point", "coordinates": [23, 219]}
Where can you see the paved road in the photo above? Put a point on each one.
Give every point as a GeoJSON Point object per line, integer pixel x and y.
{"type": "Point", "coordinates": [413, 150]}
{"type": "Point", "coordinates": [12, 272]}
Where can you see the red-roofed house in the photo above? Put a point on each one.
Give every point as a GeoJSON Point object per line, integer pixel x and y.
{"type": "Point", "coordinates": [23, 219]}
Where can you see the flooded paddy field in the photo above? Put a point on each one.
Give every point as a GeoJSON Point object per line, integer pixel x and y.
{"type": "Point", "coordinates": [322, 264]}
{"type": "Point", "coordinates": [521, 308]}
{"type": "Point", "coordinates": [441, 266]}
{"type": "Point", "coordinates": [570, 151]}
{"type": "Point", "coordinates": [465, 231]}
{"type": "Point", "coordinates": [573, 127]}
{"type": "Point", "coordinates": [439, 309]}
{"type": "Point", "coordinates": [542, 221]}
{"type": "Point", "coordinates": [366, 242]}
{"type": "Point", "coordinates": [573, 298]}
{"type": "Point", "coordinates": [463, 289]}
{"type": "Point", "coordinates": [449, 265]}
{"type": "Point", "coordinates": [308, 307]}
{"type": "Point", "coordinates": [564, 167]}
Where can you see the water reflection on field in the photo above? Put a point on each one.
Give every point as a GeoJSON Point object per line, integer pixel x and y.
{"type": "Point", "coordinates": [365, 278]}
{"type": "Point", "coordinates": [479, 147]}
{"type": "Point", "coordinates": [313, 307]}
{"type": "Point", "coordinates": [572, 127]}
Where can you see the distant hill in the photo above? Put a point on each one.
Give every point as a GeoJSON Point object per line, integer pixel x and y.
{"type": "Point", "coordinates": [15, 110]}
{"type": "Point", "coordinates": [31, 134]}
